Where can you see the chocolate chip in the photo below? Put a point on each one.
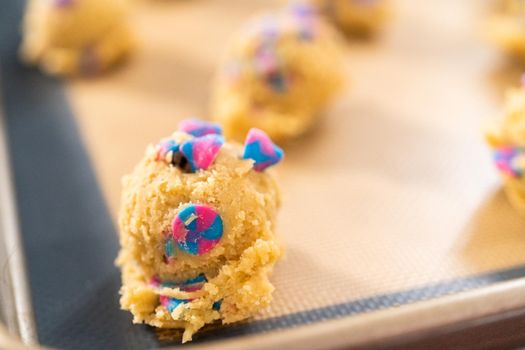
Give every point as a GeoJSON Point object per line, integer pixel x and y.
{"type": "Point", "coordinates": [181, 162]}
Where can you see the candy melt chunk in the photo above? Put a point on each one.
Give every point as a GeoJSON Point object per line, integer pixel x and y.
{"type": "Point", "coordinates": [259, 147]}
{"type": "Point", "coordinates": [166, 147]}
{"type": "Point", "coordinates": [510, 160]}
{"type": "Point", "coordinates": [202, 151]}
{"type": "Point", "coordinates": [197, 229]}
{"type": "Point", "coordinates": [199, 128]}
{"type": "Point", "coordinates": [191, 285]}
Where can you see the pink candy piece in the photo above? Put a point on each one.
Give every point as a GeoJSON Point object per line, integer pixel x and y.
{"type": "Point", "coordinates": [202, 151]}
{"type": "Point", "coordinates": [259, 147]}
{"type": "Point", "coordinates": [197, 229]}
{"type": "Point", "coordinates": [199, 128]}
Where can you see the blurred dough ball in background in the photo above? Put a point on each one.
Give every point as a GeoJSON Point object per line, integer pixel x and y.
{"type": "Point", "coordinates": [76, 37]}
{"type": "Point", "coordinates": [506, 28]}
{"type": "Point", "coordinates": [279, 72]}
{"type": "Point", "coordinates": [507, 139]}
{"type": "Point", "coordinates": [355, 17]}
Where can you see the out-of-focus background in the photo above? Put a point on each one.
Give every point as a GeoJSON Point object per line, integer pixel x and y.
{"type": "Point", "coordinates": [391, 199]}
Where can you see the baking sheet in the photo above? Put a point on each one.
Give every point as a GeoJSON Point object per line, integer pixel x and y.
{"type": "Point", "coordinates": [395, 189]}
{"type": "Point", "coordinates": [391, 200]}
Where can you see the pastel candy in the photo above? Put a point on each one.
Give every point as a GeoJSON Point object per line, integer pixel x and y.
{"type": "Point", "coordinates": [267, 64]}
{"type": "Point", "coordinates": [307, 19]}
{"type": "Point", "coordinates": [165, 147]}
{"type": "Point", "coordinates": [197, 229]}
{"type": "Point", "coordinates": [199, 128]}
{"type": "Point", "coordinates": [171, 303]}
{"type": "Point", "coordinates": [259, 147]}
{"type": "Point", "coordinates": [202, 151]}
{"type": "Point", "coordinates": [510, 160]}
{"type": "Point", "coordinates": [190, 285]}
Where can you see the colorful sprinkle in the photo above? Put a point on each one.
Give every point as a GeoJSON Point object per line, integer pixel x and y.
{"type": "Point", "coordinates": [202, 151]}
{"type": "Point", "coordinates": [199, 128]}
{"type": "Point", "coordinates": [259, 147]}
{"type": "Point", "coordinates": [510, 160]}
{"type": "Point", "coordinates": [197, 229]}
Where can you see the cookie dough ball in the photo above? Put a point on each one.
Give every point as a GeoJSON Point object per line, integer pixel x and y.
{"type": "Point", "coordinates": [507, 140]}
{"type": "Point", "coordinates": [280, 71]}
{"type": "Point", "coordinates": [197, 229]}
{"type": "Point", "coordinates": [355, 17]}
{"type": "Point", "coordinates": [75, 37]}
{"type": "Point", "coordinates": [506, 28]}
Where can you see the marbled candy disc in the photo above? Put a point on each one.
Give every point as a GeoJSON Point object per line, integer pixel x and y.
{"type": "Point", "coordinates": [197, 229]}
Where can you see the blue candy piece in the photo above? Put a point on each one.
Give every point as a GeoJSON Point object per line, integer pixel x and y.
{"type": "Point", "coordinates": [259, 147]}
{"type": "Point", "coordinates": [217, 305]}
{"type": "Point", "coordinates": [172, 303]}
{"type": "Point", "coordinates": [199, 128]}
{"type": "Point", "coordinates": [202, 151]}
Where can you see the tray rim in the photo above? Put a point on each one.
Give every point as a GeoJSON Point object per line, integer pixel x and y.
{"type": "Point", "coordinates": [382, 327]}
{"type": "Point", "coordinates": [16, 289]}
{"type": "Point", "coordinates": [416, 319]}
{"type": "Point", "coordinates": [390, 326]}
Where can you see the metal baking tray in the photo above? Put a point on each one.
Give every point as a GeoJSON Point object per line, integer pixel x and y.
{"type": "Point", "coordinates": [394, 220]}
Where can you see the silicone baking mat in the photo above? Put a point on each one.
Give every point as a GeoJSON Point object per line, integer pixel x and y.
{"type": "Point", "coordinates": [391, 200]}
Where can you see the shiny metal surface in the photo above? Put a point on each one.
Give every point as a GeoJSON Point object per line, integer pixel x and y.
{"type": "Point", "coordinates": [17, 311]}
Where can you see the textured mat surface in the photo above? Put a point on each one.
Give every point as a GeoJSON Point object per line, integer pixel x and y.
{"type": "Point", "coordinates": [406, 228]}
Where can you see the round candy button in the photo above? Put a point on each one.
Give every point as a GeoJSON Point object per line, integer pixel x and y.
{"type": "Point", "coordinates": [197, 229]}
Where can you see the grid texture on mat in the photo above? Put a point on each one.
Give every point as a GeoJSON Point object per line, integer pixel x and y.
{"type": "Point", "coordinates": [395, 188]}
{"type": "Point", "coordinates": [381, 205]}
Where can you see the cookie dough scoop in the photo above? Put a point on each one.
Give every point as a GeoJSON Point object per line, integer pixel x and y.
{"type": "Point", "coordinates": [280, 71]}
{"type": "Point", "coordinates": [75, 37]}
{"type": "Point", "coordinates": [507, 140]}
{"type": "Point", "coordinates": [356, 17]}
{"type": "Point", "coordinates": [197, 229]}
{"type": "Point", "coordinates": [506, 28]}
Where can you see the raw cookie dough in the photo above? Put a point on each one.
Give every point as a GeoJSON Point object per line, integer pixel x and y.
{"type": "Point", "coordinates": [355, 17]}
{"type": "Point", "coordinates": [197, 229]}
{"type": "Point", "coordinates": [507, 140]}
{"type": "Point", "coordinates": [506, 28]}
{"type": "Point", "coordinates": [75, 37]}
{"type": "Point", "coordinates": [280, 71]}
